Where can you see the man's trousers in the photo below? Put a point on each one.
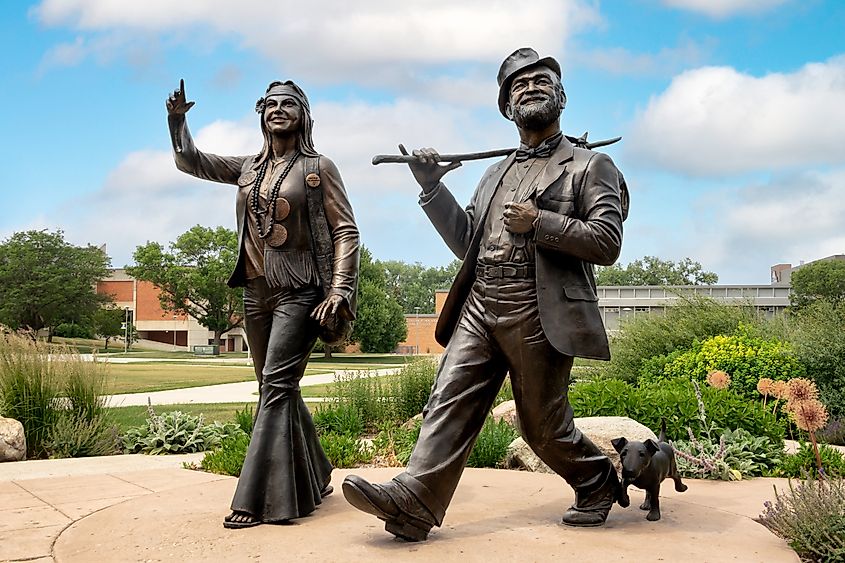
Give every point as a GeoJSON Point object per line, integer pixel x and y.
{"type": "Point", "coordinates": [499, 332]}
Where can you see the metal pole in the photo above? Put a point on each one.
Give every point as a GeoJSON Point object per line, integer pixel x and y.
{"type": "Point", "coordinates": [174, 333]}
{"type": "Point", "coordinates": [125, 330]}
{"type": "Point", "coordinates": [417, 328]}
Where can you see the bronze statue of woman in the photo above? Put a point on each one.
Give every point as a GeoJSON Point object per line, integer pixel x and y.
{"type": "Point", "coordinates": [298, 263]}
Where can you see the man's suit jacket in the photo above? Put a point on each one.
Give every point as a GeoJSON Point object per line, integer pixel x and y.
{"type": "Point", "coordinates": [580, 224]}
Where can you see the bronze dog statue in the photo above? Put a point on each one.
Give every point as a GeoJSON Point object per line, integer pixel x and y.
{"type": "Point", "coordinates": [645, 465]}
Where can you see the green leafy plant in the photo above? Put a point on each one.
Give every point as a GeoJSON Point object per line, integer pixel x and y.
{"type": "Point", "coordinates": [176, 432]}
{"type": "Point", "coordinates": [72, 330]}
{"type": "Point", "coordinates": [811, 517]}
{"type": "Point", "coordinates": [675, 402]}
{"type": "Point", "coordinates": [344, 450]}
{"type": "Point", "coordinates": [229, 458]}
{"type": "Point", "coordinates": [339, 418]}
{"type": "Point", "coordinates": [245, 419]}
{"type": "Point", "coordinates": [364, 394]}
{"type": "Point", "coordinates": [738, 455]}
{"type": "Point", "coordinates": [393, 445]}
{"type": "Point", "coordinates": [491, 447]}
{"type": "Point", "coordinates": [803, 462]}
{"type": "Point", "coordinates": [411, 388]}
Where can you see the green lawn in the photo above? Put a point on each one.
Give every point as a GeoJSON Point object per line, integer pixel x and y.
{"type": "Point", "coordinates": [126, 417]}
{"type": "Point", "coordinates": [162, 376]}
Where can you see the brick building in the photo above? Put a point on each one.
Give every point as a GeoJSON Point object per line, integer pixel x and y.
{"type": "Point", "coordinates": [155, 327]}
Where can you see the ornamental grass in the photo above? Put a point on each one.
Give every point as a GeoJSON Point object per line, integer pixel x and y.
{"type": "Point", "coordinates": [56, 395]}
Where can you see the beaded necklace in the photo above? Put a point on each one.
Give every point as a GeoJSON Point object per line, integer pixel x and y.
{"type": "Point", "coordinates": [272, 196]}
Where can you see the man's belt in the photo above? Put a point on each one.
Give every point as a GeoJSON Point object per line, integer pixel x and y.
{"type": "Point", "coordinates": [503, 271]}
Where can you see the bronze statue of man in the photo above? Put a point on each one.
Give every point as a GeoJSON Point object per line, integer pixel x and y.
{"type": "Point", "coordinates": [524, 303]}
{"type": "Point", "coordinates": [298, 263]}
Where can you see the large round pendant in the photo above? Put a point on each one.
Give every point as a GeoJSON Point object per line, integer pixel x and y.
{"type": "Point", "coordinates": [282, 209]}
{"type": "Point", "coordinates": [277, 237]}
{"type": "Point", "coordinates": [247, 178]}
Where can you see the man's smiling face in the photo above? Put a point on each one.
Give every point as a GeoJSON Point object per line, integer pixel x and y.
{"type": "Point", "coordinates": [536, 98]}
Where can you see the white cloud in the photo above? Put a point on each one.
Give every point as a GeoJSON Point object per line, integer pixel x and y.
{"type": "Point", "coordinates": [793, 217]}
{"type": "Point", "coordinates": [352, 40]}
{"type": "Point", "coordinates": [716, 121]}
{"type": "Point", "coordinates": [724, 8]}
{"type": "Point", "coordinates": [146, 198]}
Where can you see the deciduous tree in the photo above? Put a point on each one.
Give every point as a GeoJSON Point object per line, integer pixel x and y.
{"type": "Point", "coordinates": [45, 280]}
{"type": "Point", "coordinates": [107, 323]}
{"type": "Point", "coordinates": [414, 285]}
{"type": "Point", "coordinates": [823, 280]}
{"type": "Point", "coordinates": [380, 324]}
{"type": "Point", "coordinates": [192, 275]}
{"type": "Point", "coordinates": [651, 270]}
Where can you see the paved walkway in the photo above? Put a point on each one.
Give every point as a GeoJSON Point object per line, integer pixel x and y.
{"type": "Point", "coordinates": [243, 392]}
{"type": "Point", "coordinates": [144, 508]}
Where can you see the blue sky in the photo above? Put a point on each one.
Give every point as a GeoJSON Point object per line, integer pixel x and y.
{"type": "Point", "coordinates": [732, 113]}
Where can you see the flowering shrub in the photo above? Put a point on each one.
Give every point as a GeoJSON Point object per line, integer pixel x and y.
{"type": "Point", "coordinates": [746, 358]}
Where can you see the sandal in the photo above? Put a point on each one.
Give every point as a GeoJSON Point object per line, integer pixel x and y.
{"type": "Point", "coordinates": [245, 520]}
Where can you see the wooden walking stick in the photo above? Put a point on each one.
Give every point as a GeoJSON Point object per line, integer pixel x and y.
{"type": "Point", "coordinates": [460, 157]}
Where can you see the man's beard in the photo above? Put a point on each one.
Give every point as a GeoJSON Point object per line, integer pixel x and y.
{"type": "Point", "coordinates": [537, 116]}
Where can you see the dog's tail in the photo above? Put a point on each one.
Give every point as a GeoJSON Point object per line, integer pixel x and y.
{"type": "Point", "coordinates": [662, 437]}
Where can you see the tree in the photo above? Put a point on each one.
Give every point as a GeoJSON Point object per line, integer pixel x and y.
{"type": "Point", "coordinates": [45, 280]}
{"type": "Point", "coordinates": [819, 341]}
{"type": "Point", "coordinates": [107, 322]}
{"type": "Point", "coordinates": [823, 280]}
{"type": "Point", "coordinates": [380, 324]}
{"type": "Point", "coordinates": [651, 270]}
{"type": "Point", "coordinates": [413, 285]}
{"type": "Point", "coordinates": [192, 276]}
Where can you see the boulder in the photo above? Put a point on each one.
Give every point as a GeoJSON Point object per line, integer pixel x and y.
{"type": "Point", "coordinates": [12, 440]}
{"type": "Point", "coordinates": [521, 456]}
{"type": "Point", "coordinates": [600, 429]}
{"type": "Point", "coordinates": [507, 412]}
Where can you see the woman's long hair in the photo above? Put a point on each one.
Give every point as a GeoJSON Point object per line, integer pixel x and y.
{"type": "Point", "coordinates": [306, 141]}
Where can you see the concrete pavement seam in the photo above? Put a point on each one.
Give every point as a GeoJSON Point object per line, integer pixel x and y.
{"type": "Point", "coordinates": [51, 505]}
{"type": "Point", "coordinates": [130, 482]}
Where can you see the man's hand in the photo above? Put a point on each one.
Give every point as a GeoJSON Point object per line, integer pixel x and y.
{"type": "Point", "coordinates": [176, 104]}
{"type": "Point", "coordinates": [519, 217]}
{"type": "Point", "coordinates": [328, 308]}
{"type": "Point", "coordinates": [427, 169]}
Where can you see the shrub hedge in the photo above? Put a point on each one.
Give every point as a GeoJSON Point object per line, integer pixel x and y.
{"type": "Point", "coordinates": [673, 400]}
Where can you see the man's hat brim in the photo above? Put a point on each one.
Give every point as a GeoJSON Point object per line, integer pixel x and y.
{"type": "Point", "coordinates": [505, 86]}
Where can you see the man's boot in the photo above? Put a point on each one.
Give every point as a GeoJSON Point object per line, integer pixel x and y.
{"type": "Point", "coordinates": [403, 514]}
{"type": "Point", "coordinates": [591, 509]}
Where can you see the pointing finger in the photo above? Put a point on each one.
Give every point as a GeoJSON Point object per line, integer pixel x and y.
{"type": "Point", "coordinates": [402, 149]}
{"type": "Point", "coordinates": [182, 86]}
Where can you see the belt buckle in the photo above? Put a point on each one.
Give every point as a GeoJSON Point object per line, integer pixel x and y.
{"type": "Point", "coordinates": [494, 272]}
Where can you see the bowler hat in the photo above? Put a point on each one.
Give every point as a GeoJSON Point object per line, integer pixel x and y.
{"type": "Point", "coordinates": [516, 62]}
